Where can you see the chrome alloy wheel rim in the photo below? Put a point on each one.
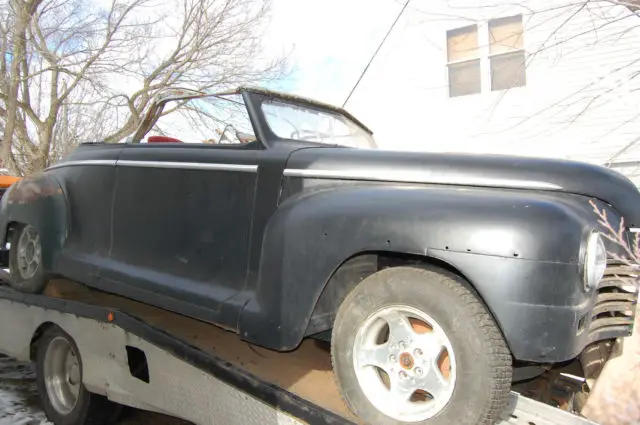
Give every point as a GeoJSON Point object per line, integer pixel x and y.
{"type": "Point", "coordinates": [29, 253]}
{"type": "Point", "coordinates": [404, 363]}
{"type": "Point", "coordinates": [62, 375]}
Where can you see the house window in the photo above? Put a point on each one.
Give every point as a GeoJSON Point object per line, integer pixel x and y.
{"type": "Point", "coordinates": [463, 61]}
{"type": "Point", "coordinates": [506, 53]}
{"type": "Point", "coordinates": [486, 55]}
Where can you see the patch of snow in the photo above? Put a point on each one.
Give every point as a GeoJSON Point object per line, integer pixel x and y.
{"type": "Point", "coordinates": [19, 403]}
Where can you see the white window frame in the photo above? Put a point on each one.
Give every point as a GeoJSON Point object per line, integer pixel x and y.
{"type": "Point", "coordinates": [479, 58]}
{"type": "Point", "coordinates": [489, 55]}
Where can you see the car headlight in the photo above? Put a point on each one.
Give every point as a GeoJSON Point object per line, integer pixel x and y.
{"type": "Point", "coordinates": [595, 261]}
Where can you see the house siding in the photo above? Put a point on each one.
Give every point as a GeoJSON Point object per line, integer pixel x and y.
{"type": "Point", "coordinates": [581, 100]}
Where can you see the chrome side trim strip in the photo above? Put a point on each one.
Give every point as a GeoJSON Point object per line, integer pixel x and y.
{"type": "Point", "coordinates": [105, 162]}
{"type": "Point", "coordinates": [159, 164]}
{"type": "Point", "coordinates": [413, 177]}
{"type": "Point", "coordinates": [190, 165]}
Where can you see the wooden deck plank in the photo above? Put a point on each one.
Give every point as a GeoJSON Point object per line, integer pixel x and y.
{"type": "Point", "coordinates": [306, 371]}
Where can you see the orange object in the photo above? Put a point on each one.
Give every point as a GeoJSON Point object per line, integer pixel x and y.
{"type": "Point", "coordinates": [6, 181]}
{"type": "Point", "coordinates": [110, 317]}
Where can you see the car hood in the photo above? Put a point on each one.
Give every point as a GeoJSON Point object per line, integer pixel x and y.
{"type": "Point", "coordinates": [495, 171]}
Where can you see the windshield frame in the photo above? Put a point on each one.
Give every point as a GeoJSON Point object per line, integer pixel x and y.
{"type": "Point", "coordinates": [253, 99]}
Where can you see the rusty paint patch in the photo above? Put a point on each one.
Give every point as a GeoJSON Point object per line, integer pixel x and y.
{"type": "Point", "coordinates": [33, 188]}
{"type": "Point", "coordinates": [406, 361]}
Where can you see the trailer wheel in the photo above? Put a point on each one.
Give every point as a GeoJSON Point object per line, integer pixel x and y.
{"type": "Point", "coordinates": [65, 400]}
{"type": "Point", "coordinates": [413, 345]}
{"type": "Point", "coordinates": [25, 260]}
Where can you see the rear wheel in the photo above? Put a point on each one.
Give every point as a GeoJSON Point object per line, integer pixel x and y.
{"type": "Point", "coordinates": [415, 346]}
{"type": "Point", "coordinates": [25, 260]}
{"type": "Point", "coordinates": [59, 378]}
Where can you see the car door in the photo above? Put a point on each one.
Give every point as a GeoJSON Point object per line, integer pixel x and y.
{"type": "Point", "coordinates": [182, 218]}
{"type": "Point", "coordinates": [88, 178]}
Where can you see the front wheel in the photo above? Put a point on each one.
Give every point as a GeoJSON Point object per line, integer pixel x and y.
{"type": "Point", "coordinates": [413, 345]}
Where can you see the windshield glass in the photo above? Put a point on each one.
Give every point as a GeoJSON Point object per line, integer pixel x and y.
{"type": "Point", "coordinates": [298, 122]}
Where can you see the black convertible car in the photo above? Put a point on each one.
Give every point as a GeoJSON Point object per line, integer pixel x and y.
{"type": "Point", "coordinates": [430, 273]}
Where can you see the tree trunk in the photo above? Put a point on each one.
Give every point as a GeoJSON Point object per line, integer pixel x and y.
{"type": "Point", "coordinates": [19, 48]}
{"type": "Point", "coordinates": [41, 160]}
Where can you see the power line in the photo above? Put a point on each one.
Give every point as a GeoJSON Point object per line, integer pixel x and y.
{"type": "Point", "coordinates": [621, 151]}
{"type": "Point", "coordinates": [376, 52]}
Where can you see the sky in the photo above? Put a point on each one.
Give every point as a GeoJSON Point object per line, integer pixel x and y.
{"type": "Point", "coordinates": [330, 42]}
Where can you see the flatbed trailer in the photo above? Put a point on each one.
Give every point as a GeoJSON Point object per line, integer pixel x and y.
{"type": "Point", "coordinates": [148, 358]}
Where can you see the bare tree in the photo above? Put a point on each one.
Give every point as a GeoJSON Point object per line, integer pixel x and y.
{"type": "Point", "coordinates": [73, 71]}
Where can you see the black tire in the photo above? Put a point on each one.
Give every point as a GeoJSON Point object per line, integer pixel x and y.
{"type": "Point", "coordinates": [30, 283]}
{"type": "Point", "coordinates": [89, 409]}
{"type": "Point", "coordinates": [483, 361]}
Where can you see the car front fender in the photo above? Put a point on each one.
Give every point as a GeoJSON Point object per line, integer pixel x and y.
{"type": "Point", "coordinates": [312, 234]}
{"type": "Point", "coordinates": [37, 200]}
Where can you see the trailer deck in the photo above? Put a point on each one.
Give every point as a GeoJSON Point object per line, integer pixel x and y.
{"type": "Point", "coordinates": [156, 360]}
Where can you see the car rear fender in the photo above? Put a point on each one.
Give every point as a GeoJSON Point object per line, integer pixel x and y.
{"type": "Point", "coordinates": [311, 235]}
{"type": "Point", "coordinates": [37, 200]}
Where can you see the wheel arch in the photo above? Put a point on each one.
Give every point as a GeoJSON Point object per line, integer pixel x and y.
{"type": "Point", "coordinates": [37, 334]}
{"type": "Point", "coordinates": [339, 284]}
{"type": "Point", "coordinates": [39, 201]}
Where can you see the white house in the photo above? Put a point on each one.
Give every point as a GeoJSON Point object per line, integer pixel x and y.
{"type": "Point", "coordinates": [553, 78]}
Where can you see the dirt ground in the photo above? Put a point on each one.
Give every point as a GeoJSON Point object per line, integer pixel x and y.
{"type": "Point", "coordinates": [19, 403]}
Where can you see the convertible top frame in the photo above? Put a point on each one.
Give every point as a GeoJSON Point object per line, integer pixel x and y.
{"type": "Point", "coordinates": [163, 97]}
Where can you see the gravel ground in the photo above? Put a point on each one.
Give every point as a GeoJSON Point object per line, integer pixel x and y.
{"type": "Point", "coordinates": [20, 405]}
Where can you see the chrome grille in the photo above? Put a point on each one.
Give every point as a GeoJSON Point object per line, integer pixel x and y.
{"type": "Point", "coordinates": [615, 307]}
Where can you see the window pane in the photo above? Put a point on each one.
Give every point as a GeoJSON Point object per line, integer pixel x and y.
{"type": "Point", "coordinates": [298, 122]}
{"type": "Point", "coordinates": [226, 119]}
{"type": "Point", "coordinates": [462, 43]}
{"type": "Point", "coordinates": [214, 119]}
{"type": "Point", "coordinates": [508, 70]}
{"type": "Point", "coordinates": [505, 34]}
{"type": "Point", "coordinates": [464, 78]}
